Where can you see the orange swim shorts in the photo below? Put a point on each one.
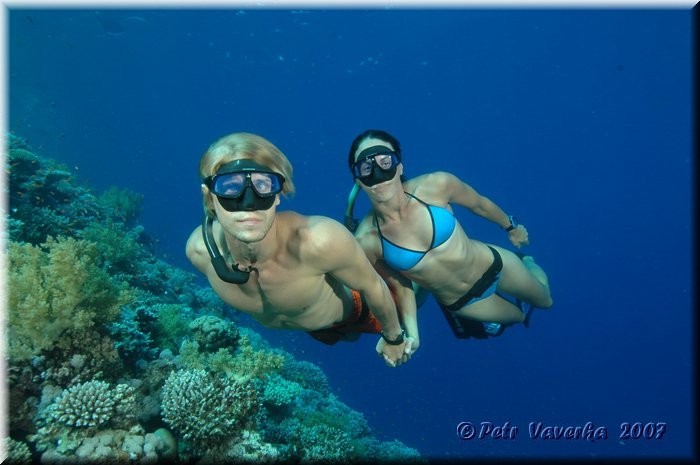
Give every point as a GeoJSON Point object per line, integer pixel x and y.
{"type": "Point", "coordinates": [361, 320]}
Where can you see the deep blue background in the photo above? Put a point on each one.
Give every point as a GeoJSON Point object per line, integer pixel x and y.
{"type": "Point", "coordinates": [579, 122]}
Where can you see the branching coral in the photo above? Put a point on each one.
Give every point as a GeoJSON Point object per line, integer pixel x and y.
{"type": "Point", "coordinates": [278, 392]}
{"type": "Point", "coordinates": [204, 409]}
{"type": "Point", "coordinates": [57, 290]}
{"type": "Point", "coordinates": [91, 405]}
{"type": "Point", "coordinates": [81, 411]}
{"type": "Point", "coordinates": [306, 374]}
{"type": "Point", "coordinates": [18, 452]}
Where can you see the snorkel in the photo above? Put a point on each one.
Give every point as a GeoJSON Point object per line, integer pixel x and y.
{"type": "Point", "coordinates": [350, 221]}
{"type": "Point", "coordinates": [235, 276]}
{"type": "Point", "coordinates": [238, 192]}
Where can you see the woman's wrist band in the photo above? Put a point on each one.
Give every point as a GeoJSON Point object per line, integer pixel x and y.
{"type": "Point", "coordinates": [513, 223]}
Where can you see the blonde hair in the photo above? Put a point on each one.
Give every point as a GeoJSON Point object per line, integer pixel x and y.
{"type": "Point", "coordinates": [242, 145]}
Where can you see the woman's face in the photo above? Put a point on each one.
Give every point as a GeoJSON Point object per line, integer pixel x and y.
{"type": "Point", "coordinates": [378, 170]}
{"type": "Point", "coordinates": [370, 142]}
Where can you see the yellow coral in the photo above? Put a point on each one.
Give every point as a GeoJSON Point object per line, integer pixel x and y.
{"type": "Point", "coordinates": [247, 363]}
{"type": "Point", "coordinates": [57, 290]}
{"type": "Point", "coordinates": [250, 363]}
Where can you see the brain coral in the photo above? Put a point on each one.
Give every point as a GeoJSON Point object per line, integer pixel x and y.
{"type": "Point", "coordinates": [214, 333]}
{"type": "Point", "coordinates": [204, 408]}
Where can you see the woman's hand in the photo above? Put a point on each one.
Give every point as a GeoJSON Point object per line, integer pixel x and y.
{"type": "Point", "coordinates": [382, 347]}
{"type": "Point", "coordinates": [518, 236]}
{"type": "Point", "coordinates": [415, 343]}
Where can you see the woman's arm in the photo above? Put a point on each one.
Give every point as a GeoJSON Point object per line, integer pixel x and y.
{"type": "Point", "coordinates": [463, 194]}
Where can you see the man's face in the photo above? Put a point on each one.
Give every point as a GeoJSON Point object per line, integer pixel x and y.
{"type": "Point", "coordinates": [245, 195]}
{"type": "Point", "coordinates": [246, 226]}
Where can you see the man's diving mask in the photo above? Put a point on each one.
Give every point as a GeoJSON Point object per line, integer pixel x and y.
{"type": "Point", "coordinates": [375, 165]}
{"type": "Point", "coordinates": [244, 185]}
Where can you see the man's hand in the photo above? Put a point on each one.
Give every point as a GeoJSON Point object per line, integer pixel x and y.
{"type": "Point", "coordinates": [518, 236]}
{"type": "Point", "coordinates": [394, 355]}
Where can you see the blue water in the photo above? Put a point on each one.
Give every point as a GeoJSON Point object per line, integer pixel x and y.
{"type": "Point", "coordinates": [578, 122]}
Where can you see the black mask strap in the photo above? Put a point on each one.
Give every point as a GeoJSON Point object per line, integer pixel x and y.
{"type": "Point", "coordinates": [235, 276]}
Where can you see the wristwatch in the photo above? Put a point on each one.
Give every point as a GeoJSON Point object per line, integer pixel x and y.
{"type": "Point", "coordinates": [513, 223]}
{"type": "Point", "coordinates": [398, 341]}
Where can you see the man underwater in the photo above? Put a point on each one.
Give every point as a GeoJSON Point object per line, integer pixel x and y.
{"type": "Point", "coordinates": [286, 270]}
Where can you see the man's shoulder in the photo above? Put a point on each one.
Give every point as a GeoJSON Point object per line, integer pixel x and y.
{"type": "Point", "coordinates": [307, 224]}
{"type": "Point", "coordinates": [195, 249]}
{"type": "Point", "coordinates": [314, 235]}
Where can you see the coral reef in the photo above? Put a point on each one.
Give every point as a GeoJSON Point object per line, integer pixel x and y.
{"type": "Point", "coordinates": [117, 356]}
{"type": "Point", "coordinates": [95, 421]}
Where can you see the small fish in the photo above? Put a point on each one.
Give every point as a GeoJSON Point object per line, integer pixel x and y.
{"type": "Point", "coordinates": [29, 19]}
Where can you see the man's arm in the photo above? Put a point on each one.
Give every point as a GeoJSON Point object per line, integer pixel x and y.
{"type": "Point", "coordinates": [334, 250]}
{"type": "Point", "coordinates": [401, 287]}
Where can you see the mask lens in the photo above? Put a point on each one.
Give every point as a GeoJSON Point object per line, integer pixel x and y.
{"type": "Point", "coordinates": [266, 183]}
{"type": "Point", "coordinates": [229, 185]}
{"type": "Point", "coordinates": [385, 162]}
{"type": "Point", "coordinates": [363, 168]}
{"type": "Point", "coordinates": [232, 185]}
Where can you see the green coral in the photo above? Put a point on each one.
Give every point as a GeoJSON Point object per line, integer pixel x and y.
{"type": "Point", "coordinates": [123, 204]}
{"type": "Point", "coordinates": [279, 391]}
{"type": "Point", "coordinates": [119, 247]}
{"type": "Point", "coordinates": [18, 452]}
{"type": "Point", "coordinates": [173, 325]}
{"type": "Point", "coordinates": [57, 291]}
{"type": "Point", "coordinates": [245, 364]}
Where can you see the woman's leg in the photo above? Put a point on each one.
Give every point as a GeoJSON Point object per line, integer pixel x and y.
{"type": "Point", "coordinates": [493, 309]}
{"type": "Point", "coordinates": [524, 279]}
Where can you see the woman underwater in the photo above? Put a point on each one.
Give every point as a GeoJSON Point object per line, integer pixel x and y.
{"type": "Point", "coordinates": [411, 235]}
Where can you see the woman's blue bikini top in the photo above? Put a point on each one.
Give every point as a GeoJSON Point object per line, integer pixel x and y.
{"type": "Point", "coordinates": [401, 258]}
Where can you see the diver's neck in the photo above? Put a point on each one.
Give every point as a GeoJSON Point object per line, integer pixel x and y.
{"type": "Point", "coordinates": [394, 208]}
{"type": "Point", "coordinates": [251, 254]}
